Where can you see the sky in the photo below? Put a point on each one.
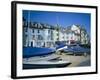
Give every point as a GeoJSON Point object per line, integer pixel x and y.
{"type": "Point", "coordinates": [64, 19]}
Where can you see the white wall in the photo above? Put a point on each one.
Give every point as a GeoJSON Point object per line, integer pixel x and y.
{"type": "Point", "coordinates": [5, 40]}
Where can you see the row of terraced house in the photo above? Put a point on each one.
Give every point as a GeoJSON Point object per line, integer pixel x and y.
{"type": "Point", "coordinates": [45, 35]}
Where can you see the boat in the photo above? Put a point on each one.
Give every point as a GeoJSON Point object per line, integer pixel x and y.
{"type": "Point", "coordinates": [36, 57]}
{"type": "Point", "coordinates": [60, 46]}
{"type": "Point", "coordinates": [41, 57]}
{"type": "Point", "coordinates": [36, 51]}
{"type": "Point", "coordinates": [77, 49]}
{"type": "Point", "coordinates": [52, 63]}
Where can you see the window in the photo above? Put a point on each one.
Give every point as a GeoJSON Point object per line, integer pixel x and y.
{"type": "Point", "coordinates": [33, 30]}
{"type": "Point", "coordinates": [67, 37]}
{"type": "Point", "coordinates": [40, 37]}
{"type": "Point", "coordinates": [25, 29]}
{"type": "Point", "coordinates": [38, 31]}
{"type": "Point", "coordinates": [39, 44]}
{"type": "Point", "coordinates": [48, 31]}
{"type": "Point", "coordinates": [51, 37]}
{"type": "Point", "coordinates": [57, 38]}
{"type": "Point", "coordinates": [71, 37]}
{"type": "Point", "coordinates": [33, 36]}
{"type": "Point", "coordinates": [25, 36]}
{"type": "Point", "coordinates": [57, 34]}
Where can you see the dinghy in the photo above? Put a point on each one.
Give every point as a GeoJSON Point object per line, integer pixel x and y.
{"type": "Point", "coordinates": [36, 57]}
{"type": "Point", "coordinates": [60, 46]}
{"type": "Point", "coordinates": [52, 63]}
{"type": "Point", "coordinates": [77, 50]}
{"type": "Point", "coordinates": [36, 51]}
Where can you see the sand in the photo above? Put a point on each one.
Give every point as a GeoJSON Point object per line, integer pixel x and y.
{"type": "Point", "coordinates": [76, 60]}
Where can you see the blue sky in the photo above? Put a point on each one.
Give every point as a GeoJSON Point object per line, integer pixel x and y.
{"type": "Point", "coordinates": [62, 18]}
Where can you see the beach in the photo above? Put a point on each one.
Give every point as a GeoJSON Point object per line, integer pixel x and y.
{"type": "Point", "coordinates": [73, 61]}
{"type": "Point", "coordinates": [76, 60]}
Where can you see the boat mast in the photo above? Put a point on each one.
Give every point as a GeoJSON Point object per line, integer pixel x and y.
{"type": "Point", "coordinates": [57, 18]}
{"type": "Point", "coordinates": [28, 28]}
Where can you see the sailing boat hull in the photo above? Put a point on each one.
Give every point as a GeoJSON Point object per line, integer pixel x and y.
{"type": "Point", "coordinates": [46, 64]}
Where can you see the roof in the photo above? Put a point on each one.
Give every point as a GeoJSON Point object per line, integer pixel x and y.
{"type": "Point", "coordinates": [38, 25]}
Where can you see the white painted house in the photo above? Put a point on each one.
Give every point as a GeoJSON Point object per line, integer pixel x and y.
{"type": "Point", "coordinates": [44, 35]}
{"type": "Point", "coordinates": [38, 35]}
{"type": "Point", "coordinates": [77, 34]}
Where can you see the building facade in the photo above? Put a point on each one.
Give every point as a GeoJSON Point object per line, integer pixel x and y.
{"type": "Point", "coordinates": [37, 34]}
{"type": "Point", "coordinates": [77, 34]}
